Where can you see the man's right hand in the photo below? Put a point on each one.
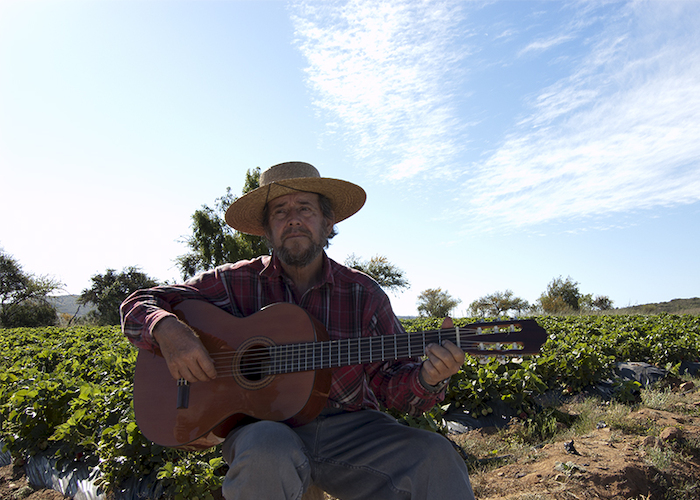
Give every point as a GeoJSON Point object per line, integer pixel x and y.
{"type": "Point", "coordinates": [183, 351]}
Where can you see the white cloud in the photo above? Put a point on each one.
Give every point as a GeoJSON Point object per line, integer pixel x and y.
{"type": "Point", "coordinates": [619, 134]}
{"type": "Point", "coordinates": [546, 44]}
{"type": "Point", "coordinates": [384, 70]}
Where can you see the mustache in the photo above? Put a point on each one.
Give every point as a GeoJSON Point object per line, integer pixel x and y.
{"type": "Point", "coordinates": [295, 231]}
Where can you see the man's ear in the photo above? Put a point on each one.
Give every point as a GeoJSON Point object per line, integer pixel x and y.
{"type": "Point", "coordinates": [329, 225]}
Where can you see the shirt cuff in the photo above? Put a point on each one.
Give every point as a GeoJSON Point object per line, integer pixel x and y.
{"type": "Point", "coordinates": [431, 388]}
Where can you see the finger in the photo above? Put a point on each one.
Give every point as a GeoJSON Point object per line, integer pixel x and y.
{"type": "Point", "coordinates": [457, 353]}
{"type": "Point", "coordinates": [445, 360]}
{"type": "Point", "coordinates": [432, 374]}
{"type": "Point", "coordinates": [195, 374]}
{"type": "Point", "coordinates": [438, 361]}
{"type": "Point", "coordinates": [440, 353]}
{"type": "Point", "coordinates": [207, 365]}
{"type": "Point", "coordinates": [202, 367]}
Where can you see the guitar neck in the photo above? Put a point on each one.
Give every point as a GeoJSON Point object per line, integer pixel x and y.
{"type": "Point", "coordinates": [505, 338]}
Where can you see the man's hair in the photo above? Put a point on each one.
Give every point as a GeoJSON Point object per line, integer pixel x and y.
{"type": "Point", "coordinates": [326, 211]}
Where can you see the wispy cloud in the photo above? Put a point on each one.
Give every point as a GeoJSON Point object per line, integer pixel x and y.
{"type": "Point", "coordinates": [619, 134]}
{"type": "Point", "coordinates": [386, 70]}
{"type": "Point", "coordinates": [546, 44]}
{"type": "Point", "coordinates": [617, 131]}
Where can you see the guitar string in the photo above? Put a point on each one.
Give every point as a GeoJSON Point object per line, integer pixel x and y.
{"type": "Point", "coordinates": [367, 343]}
{"type": "Point", "coordinates": [261, 357]}
{"type": "Point", "coordinates": [263, 351]}
{"type": "Point", "coordinates": [382, 338]}
{"type": "Point", "coordinates": [260, 362]}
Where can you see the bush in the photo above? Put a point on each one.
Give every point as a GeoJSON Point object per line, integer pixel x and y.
{"type": "Point", "coordinates": [29, 313]}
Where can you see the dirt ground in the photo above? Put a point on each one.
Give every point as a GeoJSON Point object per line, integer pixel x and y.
{"type": "Point", "coordinates": [648, 454]}
{"type": "Point", "coordinates": [607, 465]}
{"type": "Point", "coordinates": [641, 453]}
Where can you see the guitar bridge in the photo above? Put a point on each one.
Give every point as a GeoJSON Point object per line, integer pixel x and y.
{"type": "Point", "coordinates": [183, 394]}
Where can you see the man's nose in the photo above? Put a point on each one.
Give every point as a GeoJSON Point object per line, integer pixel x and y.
{"type": "Point", "coordinates": [293, 218]}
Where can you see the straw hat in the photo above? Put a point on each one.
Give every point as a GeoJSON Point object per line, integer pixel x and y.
{"type": "Point", "coordinates": [245, 214]}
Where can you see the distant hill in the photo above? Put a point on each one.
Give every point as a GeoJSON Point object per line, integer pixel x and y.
{"type": "Point", "coordinates": [68, 304]}
{"type": "Point", "coordinates": [675, 306]}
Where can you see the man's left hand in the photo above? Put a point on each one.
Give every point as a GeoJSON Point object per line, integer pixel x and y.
{"type": "Point", "coordinates": [443, 361]}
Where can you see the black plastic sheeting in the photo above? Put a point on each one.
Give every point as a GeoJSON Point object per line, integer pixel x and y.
{"type": "Point", "coordinates": [78, 480]}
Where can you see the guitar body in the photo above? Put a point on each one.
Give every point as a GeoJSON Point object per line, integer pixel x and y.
{"type": "Point", "coordinates": [212, 409]}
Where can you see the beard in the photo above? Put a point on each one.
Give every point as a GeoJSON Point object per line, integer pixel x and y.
{"type": "Point", "coordinates": [300, 258]}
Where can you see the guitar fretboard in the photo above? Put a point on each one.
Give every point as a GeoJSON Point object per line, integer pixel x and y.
{"type": "Point", "coordinates": [336, 353]}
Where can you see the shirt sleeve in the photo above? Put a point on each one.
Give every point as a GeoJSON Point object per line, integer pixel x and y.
{"type": "Point", "coordinates": [143, 309]}
{"type": "Point", "coordinates": [396, 384]}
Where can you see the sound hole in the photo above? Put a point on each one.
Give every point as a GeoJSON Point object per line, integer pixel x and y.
{"type": "Point", "coordinates": [252, 364]}
{"type": "Point", "coordinates": [255, 363]}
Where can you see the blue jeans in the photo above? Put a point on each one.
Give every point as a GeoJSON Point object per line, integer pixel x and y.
{"type": "Point", "coordinates": [351, 455]}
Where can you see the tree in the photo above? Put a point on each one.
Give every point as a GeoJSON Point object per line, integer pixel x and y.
{"type": "Point", "coordinates": [110, 289]}
{"type": "Point", "coordinates": [24, 297]}
{"type": "Point", "coordinates": [213, 242]}
{"type": "Point", "coordinates": [379, 268]}
{"type": "Point", "coordinates": [602, 303]}
{"type": "Point", "coordinates": [433, 302]}
{"type": "Point", "coordinates": [561, 296]}
{"type": "Point", "coordinates": [498, 303]}
{"type": "Point", "coordinates": [599, 303]}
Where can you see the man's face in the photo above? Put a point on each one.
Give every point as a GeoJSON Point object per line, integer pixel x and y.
{"type": "Point", "coordinates": [298, 231]}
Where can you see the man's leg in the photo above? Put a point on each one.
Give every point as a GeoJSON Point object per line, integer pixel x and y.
{"type": "Point", "coordinates": [266, 461]}
{"type": "Point", "coordinates": [368, 455]}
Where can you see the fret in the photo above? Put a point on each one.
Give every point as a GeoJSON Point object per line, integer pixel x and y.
{"type": "Point", "coordinates": [316, 355]}
{"type": "Point", "coordinates": [328, 359]}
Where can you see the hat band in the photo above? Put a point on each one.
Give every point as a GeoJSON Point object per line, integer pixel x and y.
{"type": "Point", "coordinates": [269, 188]}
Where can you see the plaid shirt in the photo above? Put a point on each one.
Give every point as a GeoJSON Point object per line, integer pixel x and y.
{"type": "Point", "coordinates": [347, 302]}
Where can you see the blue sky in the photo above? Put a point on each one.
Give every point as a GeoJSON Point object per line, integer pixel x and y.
{"type": "Point", "coordinates": [501, 144]}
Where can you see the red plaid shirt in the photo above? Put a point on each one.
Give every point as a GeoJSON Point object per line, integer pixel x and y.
{"type": "Point", "coordinates": [347, 302]}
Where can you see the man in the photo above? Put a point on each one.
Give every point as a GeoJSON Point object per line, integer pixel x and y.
{"type": "Point", "coordinates": [351, 450]}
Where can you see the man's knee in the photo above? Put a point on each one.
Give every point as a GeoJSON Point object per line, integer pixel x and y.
{"type": "Point", "coordinates": [436, 451]}
{"type": "Point", "coordinates": [266, 460]}
{"type": "Point", "coordinates": [266, 440]}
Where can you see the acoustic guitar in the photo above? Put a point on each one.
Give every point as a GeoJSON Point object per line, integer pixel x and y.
{"type": "Point", "coordinates": [277, 365]}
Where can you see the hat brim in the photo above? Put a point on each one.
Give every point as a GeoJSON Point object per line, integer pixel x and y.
{"type": "Point", "coordinates": [245, 214]}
